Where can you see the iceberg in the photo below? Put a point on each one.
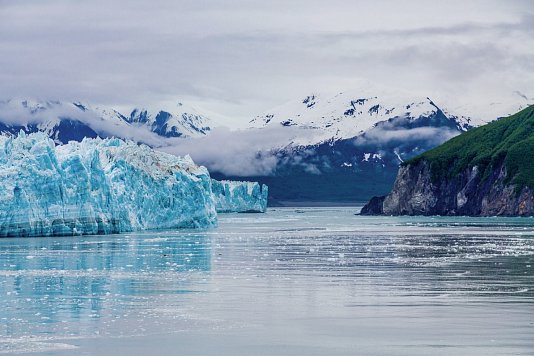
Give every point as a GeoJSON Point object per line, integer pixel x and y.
{"type": "Point", "coordinates": [240, 197]}
{"type": "Point", "coordinates": [98, 186]}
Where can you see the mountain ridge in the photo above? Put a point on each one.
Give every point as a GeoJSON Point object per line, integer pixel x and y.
{"type": "Point", "coordinates": [65, 121]}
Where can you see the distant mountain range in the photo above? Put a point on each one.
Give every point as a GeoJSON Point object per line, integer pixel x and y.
{"type": "Point", "coordinates": [73, 121]}
{"type": "Point", "coordinates": [341, 147]}
{"type": "Point", "coordinates": [347, 115]}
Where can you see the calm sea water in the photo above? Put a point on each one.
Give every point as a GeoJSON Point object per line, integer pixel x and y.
{"type": "Point", "coordinates": [299, 281]}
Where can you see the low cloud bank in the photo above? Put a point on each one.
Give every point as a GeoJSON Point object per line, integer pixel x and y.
{"type": "Point", "coordinates": [381, 136]}
{"type": "Point", "coordinates": [252, 152]}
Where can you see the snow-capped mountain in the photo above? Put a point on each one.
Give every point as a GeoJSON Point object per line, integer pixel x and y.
{"type": "Point", "coordinates": [483, 112]}
{"type": "Point", "coordinates": [349, 114]}
{"type": "Point", "coordinates": [330, 117]}
{"type": "Point", "coordinates": [64, 122]}
{"type": "Point", "coordinates": [355, 129]}
{"type": "Point", "coordinates": [185, 121]}
{"type": "Point", "coordinates": [61, 121]}
{"type": "Point", "coordinates": [349, 156]}
{"type": "Point", "coordinates": [349, 144]}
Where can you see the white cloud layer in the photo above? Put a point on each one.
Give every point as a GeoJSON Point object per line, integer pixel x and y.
{"type": "Point", "coordinates": [242, 153]}
{"type": "Point", "coordinates": [241, 57]}
{"type": "Point", "coordinates": [379, 136]}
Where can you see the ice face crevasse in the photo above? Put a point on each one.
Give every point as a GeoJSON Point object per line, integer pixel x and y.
{"type": "Point", "coordinates": [240, 197]}
{"type": "Point", "coordinates": [98, 187]}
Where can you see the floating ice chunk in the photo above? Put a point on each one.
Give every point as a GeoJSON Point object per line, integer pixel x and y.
{"type": "Point", "coordinates": [240, 197]}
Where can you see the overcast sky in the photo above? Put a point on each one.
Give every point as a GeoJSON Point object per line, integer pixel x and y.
{"type": "Point", "coordinates": [243, 57]}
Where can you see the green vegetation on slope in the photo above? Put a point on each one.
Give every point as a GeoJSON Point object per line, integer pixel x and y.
{"type": "Point", "coordinates": [509, 140]}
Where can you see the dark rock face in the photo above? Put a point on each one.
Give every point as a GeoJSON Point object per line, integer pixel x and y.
{"type": "Point", "coordinates": [416, 193]}
{"type": "Point", "coordinates": [374, 207]}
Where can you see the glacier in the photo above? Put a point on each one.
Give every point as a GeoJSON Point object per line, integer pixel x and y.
{"type": "Point", "coordinates": [240, 197]}
{"type": "Point", "coordinates": [98, 186]}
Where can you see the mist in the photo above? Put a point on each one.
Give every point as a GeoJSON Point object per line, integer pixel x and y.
{"type": "Point", "coordinates": [251, 152]}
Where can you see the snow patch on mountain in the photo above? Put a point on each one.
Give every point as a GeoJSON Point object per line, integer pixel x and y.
{"type": "Point", "coordinates": [345, 114]}
{"type": "Point", "coordinates": [372, 156]}
{"type": "Point", "coordinates": [330, 117]}
{"type": "Point", "coordinates": [183, 121]}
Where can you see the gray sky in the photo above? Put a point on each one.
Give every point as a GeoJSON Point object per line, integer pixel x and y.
{"type": "Point", "coordinates": [242, 57]}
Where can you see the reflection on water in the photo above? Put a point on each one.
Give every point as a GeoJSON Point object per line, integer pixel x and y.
{"type": "Point", "coordinates": [68, 285]}
{"type": "Point", "coordinates": [292, 281]}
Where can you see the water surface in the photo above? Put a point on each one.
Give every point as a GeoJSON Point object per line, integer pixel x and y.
{"type": "Point", "coordinates": [293, 281]}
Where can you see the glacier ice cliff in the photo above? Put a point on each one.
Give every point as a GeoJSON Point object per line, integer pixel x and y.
{"type": "Point", "coordinates": [98, 186]}
{"type": "Point", "coordinates": [240, 197]}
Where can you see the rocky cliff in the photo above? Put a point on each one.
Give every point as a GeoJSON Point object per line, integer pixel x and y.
{"type": "Point", "coordinates": [485, 172]}
{"type": "Point", "coordinates": [415, 193]}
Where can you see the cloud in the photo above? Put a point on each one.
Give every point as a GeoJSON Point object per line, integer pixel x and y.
{"type": "Point", "coordinates": [245, 153]}
{"type": "Point", "coordinates": [243, 57]}
{"type": "Point", "coordinates": [380, 136]}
